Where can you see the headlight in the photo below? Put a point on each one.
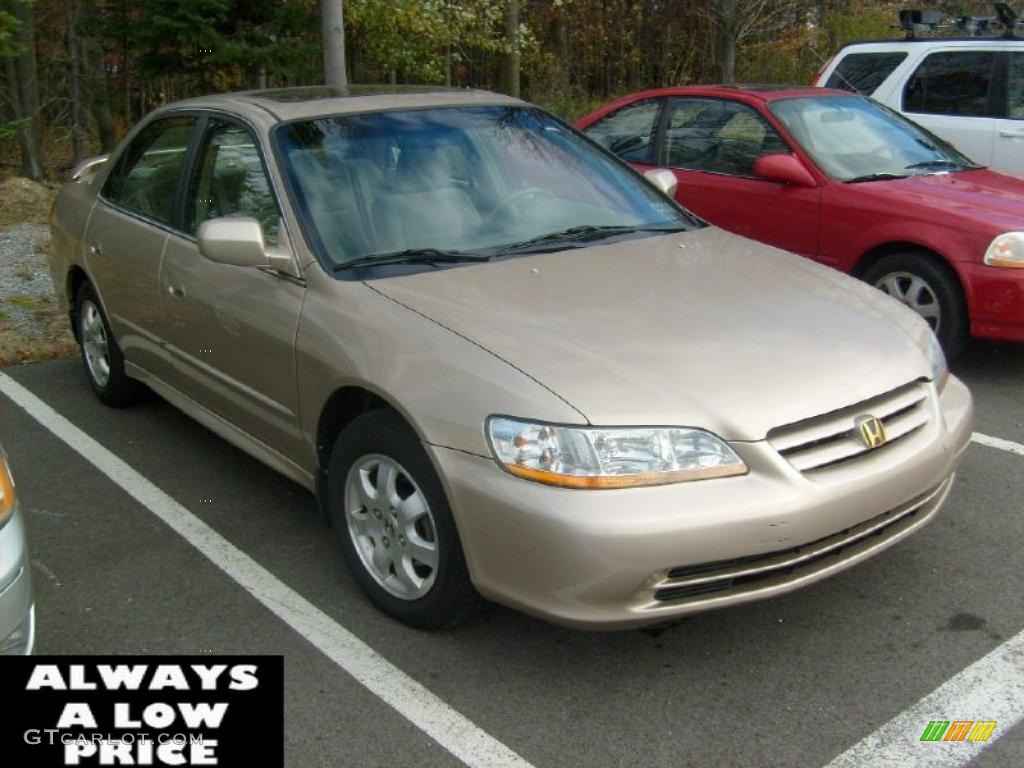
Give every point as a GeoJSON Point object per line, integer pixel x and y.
{"type": "Point", "coordinates": [937, 361]}
{"type": "Point", "coordinates": [613, 457]}
{"type": "Point", "coordinates": [6, 490]}
{"type": "Point", "coordinates": [1007, 250]}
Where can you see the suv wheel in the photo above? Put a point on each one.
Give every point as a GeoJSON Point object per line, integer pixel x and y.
{"type": "Point", "coordinates": [394, 524]}
{"type": "Point", "coordinates": [928, 287]}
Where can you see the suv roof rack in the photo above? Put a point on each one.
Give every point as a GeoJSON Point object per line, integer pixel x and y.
{"type": "Point", "coordinates": [1002, 24]}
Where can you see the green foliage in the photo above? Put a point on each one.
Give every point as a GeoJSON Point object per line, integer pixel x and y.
{"type": "Point", "coordinates": [414, 37]}
{"type": "Point", "coordinates": [9, 27]}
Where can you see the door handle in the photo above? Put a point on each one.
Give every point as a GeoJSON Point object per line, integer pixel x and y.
{"type": "Point", "coordinates": [1012, 134]}
{"type": "Point", "coordinates": [178, 293]}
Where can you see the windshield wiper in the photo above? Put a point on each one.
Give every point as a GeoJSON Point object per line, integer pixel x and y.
{"type": "Point", "coordinates": [412, 256]}
{"type": "Point", "coordinates": [926, 164]}
{"type": "Point", "coordinates": [586, 233]}
{"type": "Point", "coordinates": [875, 177]}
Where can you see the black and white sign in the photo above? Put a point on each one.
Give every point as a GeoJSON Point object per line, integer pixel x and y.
{"type": "Point", "coordinates": [142, 710]}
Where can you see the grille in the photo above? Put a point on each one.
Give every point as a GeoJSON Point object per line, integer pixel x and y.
{"type": "Point", "coordinates": [830, 440]}
{"type": "Point", "coordinates": [745, 574]}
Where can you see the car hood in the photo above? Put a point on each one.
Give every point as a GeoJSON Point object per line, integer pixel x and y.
{"type": "Point", "coordinates": [982, 195]}
{"type": "Point", "coordinates": [703, 329]}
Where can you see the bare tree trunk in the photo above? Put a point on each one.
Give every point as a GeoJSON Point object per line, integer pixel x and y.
{"type": "Point", "coordinates": [725, 55]}
{"type": "Point", "coordinates": [77, 131]}
{"type": "Point", "coordinates": [31, 168]}
{"type": "Point", "coordinates": [511, 59]}
{"type": "Point", "coordinates": [28, 76]}
{"type": "Point", "coordinates": [97, 92]}
{"type": "Point", "coordinates": [332, 21]}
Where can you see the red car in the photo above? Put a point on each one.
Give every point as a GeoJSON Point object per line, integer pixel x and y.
{"type": "Point", "coordinates": [845, 181]}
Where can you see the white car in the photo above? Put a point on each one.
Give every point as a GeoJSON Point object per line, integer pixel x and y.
{"type": "Point", "coordinates": [968, 91]}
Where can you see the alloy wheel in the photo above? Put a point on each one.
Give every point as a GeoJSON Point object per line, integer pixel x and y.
{"type": "Point", "coordinates": [914, 292]}
{"type": "Point", "coordinates": [391, 526]}
{"type": "Point", "coordinates": [95, 344]}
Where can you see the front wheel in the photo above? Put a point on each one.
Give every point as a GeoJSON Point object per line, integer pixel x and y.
{"type": "Point", "coordinates": [931, 289]}
{"type": "Point", "coordinates": [395, 526]}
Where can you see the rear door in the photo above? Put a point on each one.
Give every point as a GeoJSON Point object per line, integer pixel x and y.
{"type": "Point", "coordinates": [128, 231]}
{"type": "Point", "coordinates": [952, 93]}
{"type": "Point", "coordinates": [630, 132]}
{"type": "Point", "coordinates": [1008, 148]}
{"type": "Point", "coordinates": [231, 330]}
{"type": "Point", "coordinates": [711, 145]}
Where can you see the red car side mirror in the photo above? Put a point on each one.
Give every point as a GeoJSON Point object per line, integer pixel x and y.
{"type": "Point", "coordinates": [785, 169]}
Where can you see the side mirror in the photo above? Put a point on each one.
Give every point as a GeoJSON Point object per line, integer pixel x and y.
{"type": "Point", "coordinates": [663, 179]}
{"type": "Point", "coordinates": [238, 241]}
{"type": "Point", "coordinates": [785, 169]}
{"type": "Point", "coordinates": [86, 170]}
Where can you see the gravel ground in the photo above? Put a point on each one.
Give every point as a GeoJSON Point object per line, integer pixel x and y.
{"type": "Point", "coordinates": [32, 327]}
{"type": "Point", "coordinates": [24, 279]}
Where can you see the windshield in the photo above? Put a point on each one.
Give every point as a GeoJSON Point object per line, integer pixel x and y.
{"type": "Point", "coordinates": [457, 179]}
{"type": "Point", "coordinates": [852, 138]}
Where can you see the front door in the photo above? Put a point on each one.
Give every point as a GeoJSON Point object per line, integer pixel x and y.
{"type": "Point", "coordinates": [231, 330]}
{"type": "Point", "coordinates": [711, 145]}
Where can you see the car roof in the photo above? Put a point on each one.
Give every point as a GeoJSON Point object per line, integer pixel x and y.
{"type": "Point", "coordinates": [285, 104]}
{"type": "Point", "coordinates": [920, 41]}
{"type": "Point", "coordinates": [752, 92]}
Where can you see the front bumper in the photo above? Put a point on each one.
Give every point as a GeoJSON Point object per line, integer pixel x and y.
{"type": "Point", "coordinates": [614, 559]}
{"type": "Point", "coordinates": [996, 299]}
{"type": "Point", "coordinates": [17, 610]}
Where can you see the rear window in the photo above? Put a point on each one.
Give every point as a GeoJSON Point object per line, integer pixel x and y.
{"type": "Point", "coordinates": [951, 83]}
{"type": "Point", "coordinates": [864, 72]}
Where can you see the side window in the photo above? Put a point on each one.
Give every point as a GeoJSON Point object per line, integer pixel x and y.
{"type": "Point", "coordinates": [951, 83]}
{"type": "Point", "coordinates": [1015, 87]}
{"type": "Point", "coordinates": [147, 173]}
{"type": "Point", "coordinates": [230, 180]}
{"type": "Point", "coordinates": [718, 136]}
{"type": "Point", "coordinates": [864, 72]}
{"type": "Point", "coordinates": [629, 132]}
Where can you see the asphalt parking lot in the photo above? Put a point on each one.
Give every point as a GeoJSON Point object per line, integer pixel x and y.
{"type": "Point", "coordinates": [795, 681]}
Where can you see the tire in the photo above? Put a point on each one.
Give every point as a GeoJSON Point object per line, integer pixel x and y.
{"type": "Point", "coordinates": [931, 289]}
{"type": "Point", "coordinates": [387, 530]}
{"type": "Point", "coordinates": [102, 358]}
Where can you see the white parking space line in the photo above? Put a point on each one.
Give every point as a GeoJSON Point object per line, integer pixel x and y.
{"type": "Point", "coordinates": [434, 717]}
{"type": "Point", "coordinates": [998, 442]}
{"type": "Point", "coordinates": [992, 688]}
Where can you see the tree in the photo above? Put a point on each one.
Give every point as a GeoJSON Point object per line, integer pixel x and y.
{"type": "Point", "coordinates": [511, 59]}
{"type": "Point", "coordinates": [333, 42]}
{"type": "Point", "coordinates": [736, 20]}
{"type": "Point", "coordinates": [17, 48]}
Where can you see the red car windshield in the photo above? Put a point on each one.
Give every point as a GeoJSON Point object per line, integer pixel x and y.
{"type": "Point", "coordinates": [854, 139]}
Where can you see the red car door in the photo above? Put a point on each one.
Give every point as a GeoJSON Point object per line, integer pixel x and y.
{"type": "Point", "coordinates": [711, 145]}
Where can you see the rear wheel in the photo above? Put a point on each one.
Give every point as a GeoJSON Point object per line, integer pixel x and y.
{"type": "Point", "coordinates": [104, 363]}
{"type": "Point", "coordinates": [928, 287]}
{"type": "Point", "coordinates": [395, 526]}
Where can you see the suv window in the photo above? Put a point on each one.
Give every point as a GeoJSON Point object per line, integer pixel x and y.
{"type": "Point", "coordinates": [230, 180]}
{"type": "Point", "coordinates": [864, 72]}
{"type": "Point", "coordinates": [718, 136]}
{"type": "Point", "coordinates": [951, 83]}
{"type": "Point", "coordinates": [629, 131]}
{"type": "Point", "coordinates": [1015, 87]}
{"type": "Point", "coordinates": [147, 173]}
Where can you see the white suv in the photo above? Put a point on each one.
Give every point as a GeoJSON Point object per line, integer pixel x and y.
{"type": "Point", "coordinates": [969, 91]}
